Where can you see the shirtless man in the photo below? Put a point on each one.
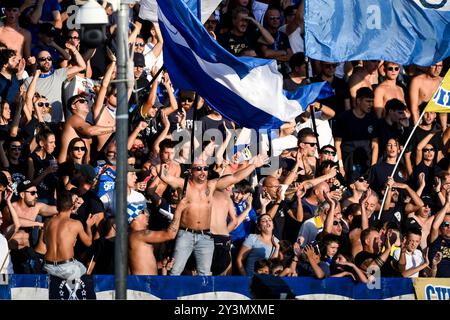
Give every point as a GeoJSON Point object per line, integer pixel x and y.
{"type": "Point", "coordinates": [77, 127]}
{"type": "Point", "coordinates": [195, 235]}
{"type": "Point", "coordinates": [422, 89]}
{"type": "Point", "coordinates": [362, 77]}
{"type": "Point", "coordinates": [140, 241]}
{"type": "Point", "coordinates": [222, 207]}
{"type": "Point", "coordinates": [425, 220]}
{"type": "Point", "coordinates": [12, 35]}
{"type": "Point", "coordinates": [388, 89]}
{"type": "Point", "coordinates": [60, 234]}
{"type": "Point", "coordinates": [28, 209]}
{"type": "Point", "coordinates": [166, 155]}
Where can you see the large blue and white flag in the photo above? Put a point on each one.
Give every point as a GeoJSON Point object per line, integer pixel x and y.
{"type": "Point", "coordinates": [148, 9]}
{"type": "Point", "coordinates": [404, 31]}
{"type": "Point", "coordinates": [248, 91]}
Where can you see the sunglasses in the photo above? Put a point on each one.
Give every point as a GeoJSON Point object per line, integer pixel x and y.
{"type": "Point", "coordinates": [335, 223]}
{"type": "Point", "coordinates": [33, 193]}
{"type": "Point", "coordinates": [15, 148]}
{"type": "Point", "coordinates": [45, 59]}
{"type": "Point", "coordinates": [361, 179]}
{"type": "Point", "coordinates": [82, 100]}
{"type": "Point", "coordinates": [79, 148]}
{"type": "Point", "coordinates": [445, 224]}
{"type": "Point", "coordinates": [139, 44]}
{"type": "Point", "coordinates": [312, 144]}
{"type": "Point", "coordinates": [428, 150]}
{"type": "Point", "coordinates": [186, 99]}
{"type": "Point", "coordinates": [211, 21]}
{"type": "Point", "coordinates": [393, 68]}
{"type": "Point", "coordinates": [332, 153]}
{"type": "Point", "coordinates": [73, 37]}
{"type": "Point", "coordinates": [274, 18]}
{"type": "Point", "coordinates": [42, 104]}
{"type": "Point", "coordinates": [200, 168]}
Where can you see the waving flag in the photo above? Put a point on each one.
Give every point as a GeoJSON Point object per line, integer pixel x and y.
{"type": "Point", "coordinates": [248, 91]}
{"type": "Point", "coordinates": [148, 10]}
{"type": "Point", "coordinates": [404, 31]}
{"type": "Point", "coordinates": [441, 98]}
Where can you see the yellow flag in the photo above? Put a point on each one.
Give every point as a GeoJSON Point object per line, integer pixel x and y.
{"type": "Point", "coordinates": [441, 98]}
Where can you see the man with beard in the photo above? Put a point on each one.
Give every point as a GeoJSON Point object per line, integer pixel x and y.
{"type": "Point", "coordinates": [422, 89]}
{"type": "Point", "coordinates": [23, 256]}
{"type": "Point", "coordinates": [10, 77]}
{"type": "Point", "coordinates": [372, 257]}
{"type": "Point", "coordinates": [166, 154]}
{"type": "Point", "coordinates": [50, 81]}
{"type": "Point", "coordinates": [11, 34]}
{"type": "Point", "coordinates": [194, 234]}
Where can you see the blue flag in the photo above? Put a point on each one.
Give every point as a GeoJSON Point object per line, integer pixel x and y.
{"type": "Point", "coordinates": [402, 31]}
{"type": "Point", "coordinates": [248, 91]}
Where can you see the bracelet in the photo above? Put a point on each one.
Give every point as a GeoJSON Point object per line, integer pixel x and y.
{"type": "Point", "coordinates": [295, 260]}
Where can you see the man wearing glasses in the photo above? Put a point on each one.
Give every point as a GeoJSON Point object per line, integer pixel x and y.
{"type": "Point", "coordinates": [50, 81]}
{"type": "Point", "coordinates": [27, 209]}
{"type": "Point", "coordinates": [194, 234]}
{"type": "Point", "coordinates": [388, 89]}
{"type": "Point", "coordinates": [77, 127]}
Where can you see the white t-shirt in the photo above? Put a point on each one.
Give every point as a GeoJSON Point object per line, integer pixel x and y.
{"type": "Point", "coordinates": [281, 144]}
{"type": "Point", "coordinates": [412, 260]}
{"type": "Point", "coordinates": [108, 200]}
{"type": "Point", "coordinates": [5, 258]}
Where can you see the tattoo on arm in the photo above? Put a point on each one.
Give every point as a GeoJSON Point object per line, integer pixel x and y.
{"type": "Point", "coordinates": [172, 225]}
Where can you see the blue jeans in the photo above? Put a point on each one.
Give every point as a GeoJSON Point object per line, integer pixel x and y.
{"type": "Point", "coordinates": [68, 271]}
{"type": "Point", "coordinates": [203, 247]}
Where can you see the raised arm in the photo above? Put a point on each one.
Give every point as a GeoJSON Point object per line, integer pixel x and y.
{"type": "Point", "coordinates": [133, 136]}
{"type": "Point", "coordinates": [162, 135]}
{"type": "Point", "coordinates": [174, 182]}
{"type": "Point", "coordinates": [173, 104]}
{"type": "Point", "coordinates": [80, 64]}
{"type": "Point", "coordinates": [85, 235]}
{"type": "Point", "coordinates": [227, 181]}
{"type": "Point", "coordinates": [438, 219]}
{"type": "Point", "coordinates": [97, 107]}
{"type": "Point", "coordinates": [28, 108]}
{"type": "Point", "coordinates": [422, 145]}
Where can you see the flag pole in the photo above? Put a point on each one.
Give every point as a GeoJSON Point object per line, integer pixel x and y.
{"type": "Point", "coordinates": [313, 119]}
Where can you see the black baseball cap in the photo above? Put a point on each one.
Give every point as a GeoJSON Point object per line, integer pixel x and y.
{"type": "Point", "coordinates": [48, 29]}
{"type": "Point", "coordinates": [24, 186]}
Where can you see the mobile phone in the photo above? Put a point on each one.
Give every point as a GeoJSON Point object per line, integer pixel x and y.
{"type": "Point", "coordinates": [264, 194]}
{"type": "Point", "coordinates": [393, 238]}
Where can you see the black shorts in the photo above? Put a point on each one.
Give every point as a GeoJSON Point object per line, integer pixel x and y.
{"type": "Point", "coordinates": [222, 254]}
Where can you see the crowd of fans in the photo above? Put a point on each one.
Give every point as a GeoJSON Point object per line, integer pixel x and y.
{"type": "Point", "coordinates": [331, 208]}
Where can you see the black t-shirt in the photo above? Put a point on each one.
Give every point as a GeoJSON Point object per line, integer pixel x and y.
{"type": "Point", "coordinates": [387, 270]}
{"type": "Point", "coordinates": [379, 173]}
{"type": "Point", "coordinates": [342, 92]}
{"type": "Point", "coordinates": [387, 132]}
{"type": "Point", "coordinates": [103, 256]}
{"type": "Point", "coordinates": [46, 189]}
{"type": "Point", "coordinates": [395, 214]}
{"type": "Point", "coordinates": [443, 245]}
{"type": "Point", "coordinates": [419, 134]}
{"type": "Point", "coordinates": [279, 219]}
{"type": "Point", "coordinates": [430, 173]}
{"type": "Point", "coordinates": [355, 132]}
{"type": "Point", "coordinates": [236, 45]}
{"type": "Point", "coordinates": [208, 123]}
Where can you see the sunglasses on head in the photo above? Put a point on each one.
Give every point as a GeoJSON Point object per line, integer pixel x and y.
{"type": "Point", "coordinates": [42, 104]}
{"type": "Point", "coordinates": [45, 58]}
{"type": "Point", "coordinates": [393, 68]}
{"type": "Point", "coordinates": [200, 168]}
{"type": "Point", "coordinates": [139, 44]}
{"type": "Point", "coordinates": [79, 148]}
{"type": "Point", "coordinates": [428, 150]}
{"type": "Point", "coordinates": [332, 153]}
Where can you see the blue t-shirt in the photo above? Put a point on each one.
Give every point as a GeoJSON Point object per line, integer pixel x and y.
{"type": "Point", "coordinates": [107, 180]}
{"type": "Point", "coordinates": [244, 229]}
{"type": "Point", "coordinates": [259, 250]}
